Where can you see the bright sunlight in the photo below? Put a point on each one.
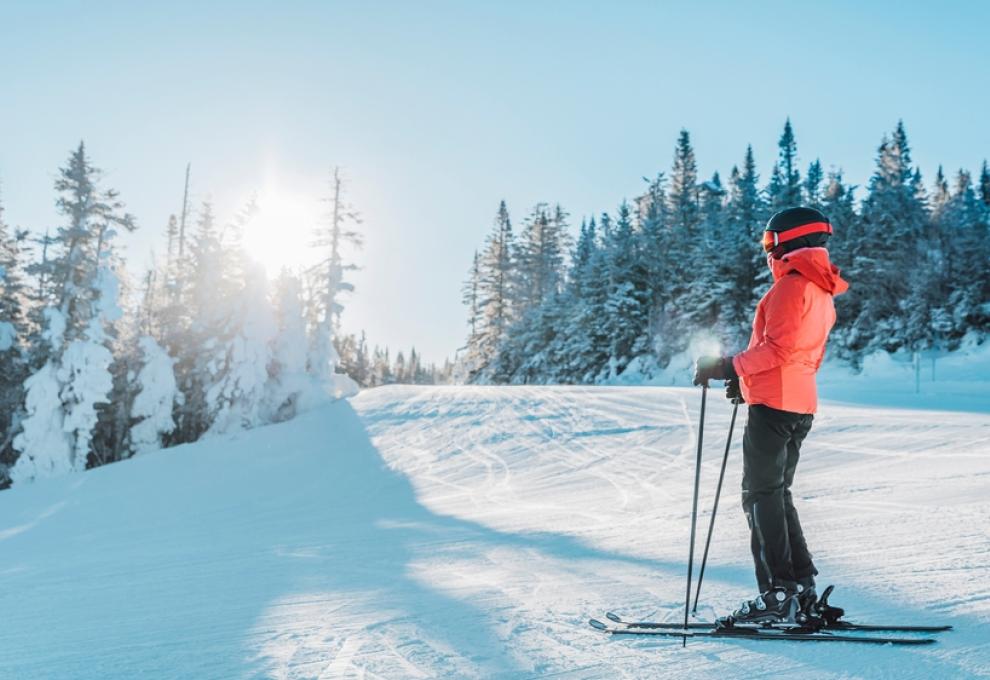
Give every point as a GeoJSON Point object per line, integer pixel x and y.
{"type": "Point", "coordinates": [280, 236]}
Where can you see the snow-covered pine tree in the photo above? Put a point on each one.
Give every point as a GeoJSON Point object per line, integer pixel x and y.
{"type": "Point", "coordinates": [654, 251]}
{"type": "Point", "coordinates": [967, 245]}
{"type": "Point", "coordinates": [684, 234]}
{"type": "Point", "coordinates": [199, 350]}
{"type": "Point", "coordinates": [984, 183]}
{"type": "Point", "coordinates": [346, 346]}
{"type": "Point", "coordinates": [714, 274]}
{"type": "Point", "coordinates": [237, 397]}
{"type": "Point", "coordinates": [838, 203]}
{"type": "Point", "coordinates": [813, 185]}
{"type": "Point", "coordinates": [585, 345]}
{"type": "Point", "coordinates": [62, 395]}
{"type": "Point", "coordinates": [111, 436]}
{"type": "Point", "coordinates": [539, 265]}
{"type": "Point", "coordinates": [333, 237]}
{"type": "Point", "coordinates": [538, 280]}
{"type": "Point", "coordinates": [362, 368]}
{"type": "Point", "coordinates": [156, 393]}
{"type": "Point", "coordinates": [414, 370]}
{"type": "Point", "coordinates": [381, 367]}
{"type": "Point", "coordinates": [627, 304]}
{"type": "Point", "coordinates": [746, 214]}
{"type": "Point", "coordinates": [470, 296]}
{"type": "Point", "coordinates": [494, 298]}
{"type": "Point", "coordinates": [290, 387]}
{"type": "Point", "coordinates": [178, 264]}
{"type": "Point", "coordinates": [13, 358]}
{"type": "Point", "coordinates": [940, 194]}
{"type": "Point", "coordinates": [894, 216]}
{"type": "Point", "coordinates": [784, 190]}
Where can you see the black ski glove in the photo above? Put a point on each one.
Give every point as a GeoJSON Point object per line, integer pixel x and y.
{"type": "Point", "coordinates": [713, 368]}
{"type": "Point", "coordinates": [732, 391]}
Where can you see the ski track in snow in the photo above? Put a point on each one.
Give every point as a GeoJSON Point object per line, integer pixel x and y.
{"type": "Point", "coordinates": [469, 532]}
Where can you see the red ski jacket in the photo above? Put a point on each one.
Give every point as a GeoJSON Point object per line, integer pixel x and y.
{"type": "Point", "coordinates": [790, 330]}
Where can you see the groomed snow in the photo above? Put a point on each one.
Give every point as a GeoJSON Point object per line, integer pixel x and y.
{"type": "Point", "coordinates": [462, 532]}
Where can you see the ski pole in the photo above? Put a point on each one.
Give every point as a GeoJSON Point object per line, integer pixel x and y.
{"type": "Point", "coordinates": [694, 507]}
{"type": "Point", "coordinates": [718, 492]}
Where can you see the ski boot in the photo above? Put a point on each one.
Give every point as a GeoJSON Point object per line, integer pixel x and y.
{"type": "Point", "coordinates": [807, 598]}
{"type": "Point", "coordinates": [775, 606]}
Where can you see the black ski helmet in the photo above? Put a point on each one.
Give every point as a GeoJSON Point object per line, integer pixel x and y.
{"type": "Point", "coordinates": [796, 228]}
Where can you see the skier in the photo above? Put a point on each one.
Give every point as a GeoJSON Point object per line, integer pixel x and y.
{"type": "Point", "coordinates": [775, 375]}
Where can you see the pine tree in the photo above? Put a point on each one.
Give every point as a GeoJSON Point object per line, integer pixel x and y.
{"type": "Point", "coordinates": [236, 398]}
{"type": "Point", "coordinates": [742, 260]}
{"type": "Point", "coordinates": [893, 215]}
{"type": "Point", "coordinates": [813, 185]}
{"type": "Point", "coordinates": [111, 437]}
{"type": "Point", "coordinates": [155, 398]}
{"type": "Point", "coordinates": [13, 354]}
{"type": "Point", "coordinates": [538, 276]}
{"type": "Point", "coordinates": [627, 304]}
{"type": "Point", "coordinates": [653, 250]}
{"type": "Point", "coordinates": [337, 233]}
{"type": "Point", "coordinates": [289, 387]}
{"type": "Point", "coordinates": [539, 264]}
{"type": "Point", "coordinates": [494, 298]}
{"type": "Point", "coordinates": [985, 185]}
{"type": "Point", "coordinates": [381, 368]}
{"type": "Point", "coordinates": [838, 203]}
{"type": "Point", "coordinates": [469, 295]}
{"type": "Point", "coordinates": [940, 195]}
{"type": "Point", "coordinates": [199, 350]}
{"type": "Point", "coordinates": [682, 199]}
{"type": "Point", "coordinates": [362, 364]}
{"type": "Point", "coordinates": [583, 345]}
{"type": "Point", "coordinates": [966, 236]}
{"type": "Point", "coordinates": [712, 284]}
{"type": "Point", "coordinates": [785, 182]}
{"type": "Point", "coordinates": [62, 396]}
{"type": "Point", "coordinates": [684, 230]}
{"type": "Point", "coordinates": [335, 236]}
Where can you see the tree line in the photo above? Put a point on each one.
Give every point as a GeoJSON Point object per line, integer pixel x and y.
{"type": "Point", "coordinates": [377, 366]}
{"type": "Point", "coordinates": [97, 367]}
{"type": "Point", "coordinates": [683, 261]}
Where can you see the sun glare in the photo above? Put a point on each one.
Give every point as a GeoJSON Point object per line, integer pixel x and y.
{"type": "Point", "coordinates": [281, 233]}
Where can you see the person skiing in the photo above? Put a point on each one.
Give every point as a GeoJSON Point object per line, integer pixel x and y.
{"type": "Point", "coordinates": [775, 375]}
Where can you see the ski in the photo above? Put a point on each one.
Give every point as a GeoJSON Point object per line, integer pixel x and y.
{"type": "Point", "coordinates": [837, 625]}
{"type": "Point", "coordinates": [755, 634]}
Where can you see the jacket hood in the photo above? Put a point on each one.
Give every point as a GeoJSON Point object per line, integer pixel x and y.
{"type": "Point", "coordinates": [814, 265]}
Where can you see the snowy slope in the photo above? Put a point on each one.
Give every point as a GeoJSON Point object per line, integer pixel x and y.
{"type": "Point", "coordinates": [470, 532]}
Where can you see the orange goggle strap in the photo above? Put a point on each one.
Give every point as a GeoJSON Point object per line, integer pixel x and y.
{"type": "Point", "coordinates": [772, 239]}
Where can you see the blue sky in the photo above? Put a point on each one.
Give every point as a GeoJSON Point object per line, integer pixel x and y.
{"type": "Point", "coordinates": [437, 110]}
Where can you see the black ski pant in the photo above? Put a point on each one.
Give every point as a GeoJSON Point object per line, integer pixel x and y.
{"type": "Point", "coordinates": [771, 448]}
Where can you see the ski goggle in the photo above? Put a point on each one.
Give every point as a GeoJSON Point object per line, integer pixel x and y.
{"type": "Point", "coordinates": [772, 239]}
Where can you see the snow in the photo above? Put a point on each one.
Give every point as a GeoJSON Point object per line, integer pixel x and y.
{"type": "Point", "coordinates": [469, 532]}
{"type": "Point", "coordinates": [955, 380]}
{"type": "Point", "coordinates": [948, 380]}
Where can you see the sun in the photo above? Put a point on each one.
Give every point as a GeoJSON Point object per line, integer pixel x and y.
{"type": "Point", "coordinates": [280, 234]}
